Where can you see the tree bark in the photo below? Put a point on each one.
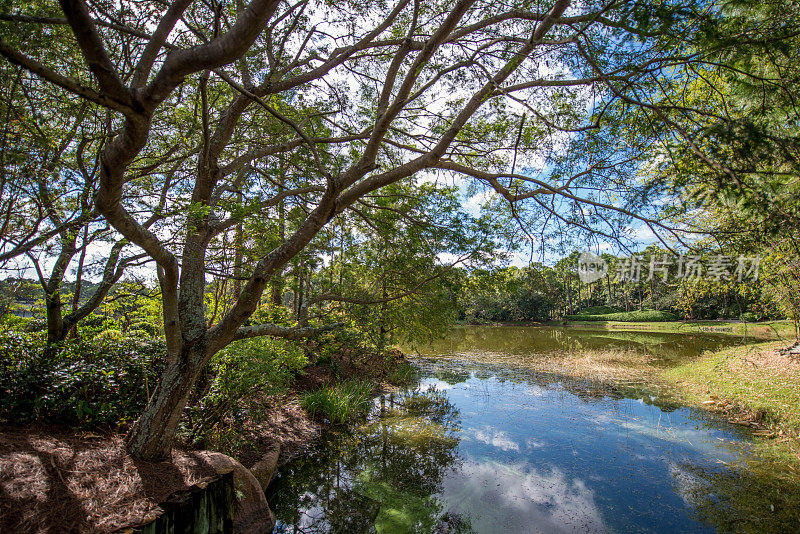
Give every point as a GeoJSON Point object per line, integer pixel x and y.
{"type": "Point", "coordinates": [55, 322]}
{"type": "Point", "coordinates": [153, 434]}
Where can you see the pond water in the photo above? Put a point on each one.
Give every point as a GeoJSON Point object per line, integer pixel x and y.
{"type": "Point", "coordinates": [525, 343]}
{"type": "Point", "coordinates": [485, 444]}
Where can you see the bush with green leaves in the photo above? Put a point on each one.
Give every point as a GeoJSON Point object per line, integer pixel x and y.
{"type": "Point", "coordinates": [76, 383]}
{"type": "Point", "coordinates": [750, 317]}
{"type": "Point", "coordinates": [236, 382]}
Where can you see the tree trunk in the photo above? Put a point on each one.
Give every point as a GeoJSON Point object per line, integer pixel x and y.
{"type": "Point", "coordinates": [238, 243]}
{"type": "Point", "coordinates": [76, 298]}
{"type": "Point", "coordinates": [569, 294]}
{"type": "Point", "coordinates": [55, 321]}
{"type": "Point", "coordinates": [153, 434]}
{"type": "Point", "coordinates": [277, 291]}
{"type": "Point", "coordinates": [640, 296]}
{"type": "Point", "coordinates": [277, 281]}
{"type": "Point", "coordinates": [300, 277]}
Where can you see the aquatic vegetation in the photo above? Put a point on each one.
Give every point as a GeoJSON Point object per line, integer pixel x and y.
{"type": "Point", "coordinates": [383, 476]}
{"type": "Point", "coordinates": [411, 429]}
{"type": "Point", "coordinates": [402, 374]}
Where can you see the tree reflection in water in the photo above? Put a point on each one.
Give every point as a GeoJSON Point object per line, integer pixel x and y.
{"type": "Point", "coordinates": [503, 448]}
{"type": "Point", "coordinates": [384, 476]}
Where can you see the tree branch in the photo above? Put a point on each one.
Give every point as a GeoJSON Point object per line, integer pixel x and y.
{"type": "Point", "coordinates": [284, 332]}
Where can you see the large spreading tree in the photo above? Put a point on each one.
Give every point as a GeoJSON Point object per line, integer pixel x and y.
{"type": "Point", "coordinates": [219, 115]}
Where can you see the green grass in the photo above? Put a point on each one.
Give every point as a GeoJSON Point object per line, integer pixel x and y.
{"type": "Point", "coordinates": [599, 310]}
{"type": "Point", "coordinates": [740, 373]}
{"type": "Point", "coordinates": [631, 316]}
{"type": "Point", "coordinates": [767, 330]}
{"type": "Point", "coordinates": [340, 403]}
{"type": "Point", "coordinates": [749, 383]}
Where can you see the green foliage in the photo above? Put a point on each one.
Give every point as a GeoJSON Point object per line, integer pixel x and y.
{"type": "Point", "coordinates": [402, 374]}
{"type": "Point", "coordinates": [509, 294]}
{"type": "Point", "coordinates": [262, 363]}
{"type": "Point", "coordinates": [340, 403]}
{"type": "Point", "coordinates": [632, 316]}
{"type": "Point", "coordinates": [750, 317]}
{"type": "Point", "coordinates": [14, 322]}
{"type": "Point", "coordinates": [540, 293]}
{"type": "Point", "coordinates": [108, 336]}
{"type": "Point", "coordinates": [600, 310]}
{"type": "Point", "coordinates": [237, 380]}
{"type": "Point", "coordinates": [781, 274]}
{"type": "Point", "coordinates": [76, 383]}
{"type": "Point", "coordinates": [348, 349]}
{"type": "Point", "coordinates": [388, 274]}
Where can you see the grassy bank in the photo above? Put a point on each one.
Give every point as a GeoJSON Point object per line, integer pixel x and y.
{"type": "Point", "coordinates": [767, 330]}
{"type": "Point", "coordinates": [752, 385]}
{"type": "Point", "coordinates": [652, 316]}
{"type": "Point", "coordinates": [341, 402]}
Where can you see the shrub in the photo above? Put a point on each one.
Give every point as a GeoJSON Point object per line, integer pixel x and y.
{"type": "Point", "coordinates": [10, 321]}
{"type": "Point", "coordinates": [76, 383]}
{"type": "Point", "coordinates": [340, 403]}
{"type": "Point", "coordinates": [109, 336]}
{"type": "Point", "coordinates": [149, 328]}
{"type": "Point", "coordinates": [237, 380]}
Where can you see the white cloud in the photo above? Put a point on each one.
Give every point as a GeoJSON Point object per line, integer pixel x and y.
{"type": "Point", "coordinates": [438, 385]}
{"type": "Point", "coordinates": [523, 499]}
{"type": "Point", "coordinates": [531, 443]}
{"type": "Point", "coordinates": [496, 438]}
{"type": "Point", "coordinates": [640, 233]}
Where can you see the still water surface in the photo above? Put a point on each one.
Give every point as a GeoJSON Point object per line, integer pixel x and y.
{"type": "Point", "coordinates": [485, 444]}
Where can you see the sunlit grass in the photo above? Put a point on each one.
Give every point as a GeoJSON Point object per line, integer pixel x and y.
{"type": "Point", "coordinates": [752, 374]}
{"type": "Point", "coordinates": [340, 403]}
{"type": "Point", "coordinates": [753, 386]}
{"type": "Point", "coordinates": [630, 316]}
{"type": "Point", "coordinates": [767, 330]}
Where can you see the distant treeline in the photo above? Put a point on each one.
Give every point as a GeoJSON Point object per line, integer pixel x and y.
{"type": "Point", "coordinates": [540, 293]}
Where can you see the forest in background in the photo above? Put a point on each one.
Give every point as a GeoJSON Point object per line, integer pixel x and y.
{"type": "Point", "coordinates": [535, 293]}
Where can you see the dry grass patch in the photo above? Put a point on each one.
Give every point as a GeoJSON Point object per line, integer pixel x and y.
{"type": "Point", "coordinates": [603, 365]}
